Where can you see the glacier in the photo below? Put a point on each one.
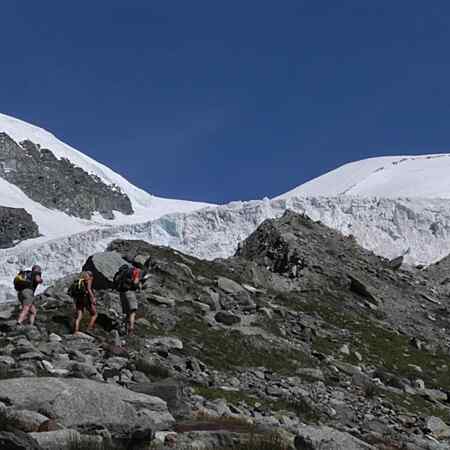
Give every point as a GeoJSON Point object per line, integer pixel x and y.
{"type": "Point", "coordinates": [417, 228]}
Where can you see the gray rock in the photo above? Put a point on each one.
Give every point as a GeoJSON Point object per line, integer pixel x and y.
{"type": "Point", "coordinates": [171, 391]}
{"type": "Point", "coordinates": [16, 224]}
{"type": "Point", "coordinates": [315, 374]}
{"type": "Point", "coordinates": [230, 286]}
{"type": "Point", "coordinates": [437, 427]}
{"type": "Point", "coordinates": [66, 440]}
{"type": "Point", "coordinates": [345, 350]}
{"type": "Point", "coordinates": [164, 343]}
{"type": "Point", "coordinates": [22, 419]}
{"type": "Point", "coordinates": [362, 289]}
{"type": "Point", "coordinates": [90, 402]}
{"type": "Point", "coordinates": [18, 441]}
{"type": "Point", "coordinates": [321, 438]}
{"type": "Point", "coordinates": [159, 299]}
{"type": "Point", "coordinates": [104, 266]}
{"type": "Point", "coordinates": [227, 318]}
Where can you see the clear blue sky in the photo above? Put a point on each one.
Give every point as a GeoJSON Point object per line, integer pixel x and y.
{"type": "Point", "coordinates": [222, 100]}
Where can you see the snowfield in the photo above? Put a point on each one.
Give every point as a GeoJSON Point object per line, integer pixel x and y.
{"type": "Point", "coordinates": [424, 176]}
{"type": "Point", "coordinates": [391, 205]}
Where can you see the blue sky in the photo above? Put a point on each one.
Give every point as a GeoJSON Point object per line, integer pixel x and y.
{"type": "Point", "coordinates": [217, 101]}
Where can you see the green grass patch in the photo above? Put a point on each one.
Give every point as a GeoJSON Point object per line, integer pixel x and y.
{"type": "Point", "coordinates": [229, 349]}
{"type": "Point", "coordinates": [300, 408]}
{"type": "Point", "coordinates": [377, 344]}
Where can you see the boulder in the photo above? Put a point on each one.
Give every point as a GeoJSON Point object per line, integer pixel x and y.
{"type": "Point", "coordinates": [18, 441]}
{"type": "Point", "coordinates": [81, 402]}
{"type": "Point", "coordinates": [396, 263]}
{"type": "Point", "coordinates": [23, 420]}
{"type": "Point", "coordinates": [319, 438]}
{"type": "Point", "coordinates": [230, 286]}
{"type": "Point", "coordinates": [66, 440]}
{"type": "Point", "coordinates": [227, 318]}
{"type": "Point", "coordinates": [171, 391]}
{"type": "Point", "coordinates": [437, 427]}
{"type": "Point", "coordinates": [104, 266]}
{"type": "Point", "coordinates": [360, 288]}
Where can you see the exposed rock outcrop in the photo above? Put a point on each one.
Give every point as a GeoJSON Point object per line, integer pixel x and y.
{"type": "Point", "coordinates": [57, 183]}
{"type": "Point", "coordinates": [16, 225]}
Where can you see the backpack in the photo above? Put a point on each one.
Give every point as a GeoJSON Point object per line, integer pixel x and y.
{"type": "Point", "coordinates": [121, 276]}
{"type": "Point", "coordinates": [77, 289]}
{"type": "Point", "coordinates": [23, 280]}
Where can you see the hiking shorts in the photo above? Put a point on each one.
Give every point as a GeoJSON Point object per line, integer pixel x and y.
{"type": "Point", "coordinates": [26, 297]}
{"type": "Point", "coordinates": [84, 303]}
{"type": "Point", "coordinates": [129, 302]}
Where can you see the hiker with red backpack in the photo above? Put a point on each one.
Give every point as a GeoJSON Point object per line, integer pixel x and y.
{"type": "Point", "coordinates": [127, 281]}
{"type": "Point", "coordinates": [83, 295]}
{"type": "Point", "coordinates": [26, 283]}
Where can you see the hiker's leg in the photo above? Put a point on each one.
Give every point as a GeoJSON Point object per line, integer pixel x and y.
{"type": "Point", "coordinates": [23, 313]}
{"type": "Point", "coordinates": [132, 307]}
{"type": "Point", "coordinates": [33, 312]}
{"type": "Point", "coordinates": [131, 319]}
{"type": "Point", "coordinates": [26, 297]}
{"type": "Point", "coordinates": [93, 313]}
{"type": "Point", "coordinates": [79, 316]}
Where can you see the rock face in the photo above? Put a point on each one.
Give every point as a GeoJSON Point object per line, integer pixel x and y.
{"type": "Point", "coordinates": [16, 225]}
{"type": "Point", "coordinates": [57, 183]}
{"type": "Point", "coordinates": [79, 403]}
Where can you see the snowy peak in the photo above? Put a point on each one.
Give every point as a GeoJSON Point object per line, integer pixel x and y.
{"type": "Point", "coordinates": [389, 177]}
{"type": "Point", "coordinates": [64, 190]}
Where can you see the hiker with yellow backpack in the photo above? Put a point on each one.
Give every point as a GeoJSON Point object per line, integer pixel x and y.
{"type": "Point", "coordinates": [83, 295]}
{"type": "Point", "coordinates": [25, 283]}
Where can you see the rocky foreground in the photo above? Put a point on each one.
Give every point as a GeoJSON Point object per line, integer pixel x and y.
{"type": "Point", "coordinates": [303, 340]}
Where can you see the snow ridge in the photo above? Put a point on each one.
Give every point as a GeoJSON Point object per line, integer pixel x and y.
{"type": "Point", "coordinates": [422, 176]}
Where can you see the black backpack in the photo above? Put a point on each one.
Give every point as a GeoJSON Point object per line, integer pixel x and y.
{"type": "Point", "coordinates": [121, 276]}
{"type": "Point", "coordinates": [23, 280]}
{"type": "Point", "coordinates": [77, 289]}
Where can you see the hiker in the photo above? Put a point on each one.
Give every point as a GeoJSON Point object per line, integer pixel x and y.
{"type": "Point", "coordinates": [127, 281]}
{"type": "Point", "coordinates": [25, 283]}
{"type": "Point", "coordinates": [83, 295]}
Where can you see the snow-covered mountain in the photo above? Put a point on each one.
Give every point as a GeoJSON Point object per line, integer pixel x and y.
{"type": "Point", "coordinates": [423, 176]}
{"type": "Point", "coordinates": [52, 221]}
{"type": "Point", "coordinates": [391, 205]}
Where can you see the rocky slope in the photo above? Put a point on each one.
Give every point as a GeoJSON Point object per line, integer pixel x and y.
{"type": "Point", "coordinates": [302, 340]}
{"type": "Point", "coordinates": [16, 225]}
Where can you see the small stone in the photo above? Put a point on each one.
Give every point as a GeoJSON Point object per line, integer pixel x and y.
{"type": "Point", "coordinates": [227, 318]}
{"type": "Point", "coordinates": [164, 343]}
{"type": "Point", "coordinates": [315, 374]}
{"type": "Point", "coordinates": [54, 338]}
{"type": "Point", "coordinates": [345, 349]}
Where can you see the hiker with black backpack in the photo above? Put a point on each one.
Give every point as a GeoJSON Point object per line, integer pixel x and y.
{"type": "Point", "coordinates": [26, 283]}
{"type": "Point", "coordinates": [127, 281]}
{"type": "Point", "coordinates": [83, 295]}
